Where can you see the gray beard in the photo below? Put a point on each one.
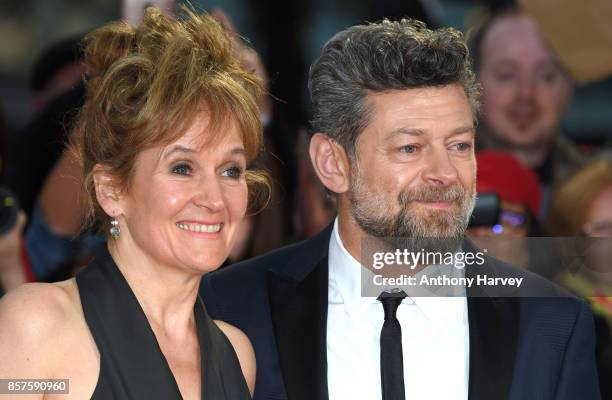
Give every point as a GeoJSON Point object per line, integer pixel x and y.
{"type": "Point", "coordinates": [435, 231]}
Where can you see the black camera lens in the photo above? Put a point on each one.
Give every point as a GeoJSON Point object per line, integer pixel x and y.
{"type": "Point", "coordinates": [9, 208]}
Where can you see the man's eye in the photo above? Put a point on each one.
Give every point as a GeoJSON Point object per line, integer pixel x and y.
{"type": "Point", "coordinates": [505, 76]}
{"type": "Point", "coordinates": [233, 172]}
{"type": "Point", "coordinates": [408, 149]}
{"type": "Point", "coordinates": [549, 76]}
{"type": "Point", "coordinates": [463, 146]}
{"type": "Point", "coordinates": [181, 169]}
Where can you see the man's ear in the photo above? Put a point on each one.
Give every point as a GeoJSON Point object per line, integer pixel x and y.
{"type": "Point", "coordinates": [330, 162]}
{"type": "Point", "coordinates": [108, 192]}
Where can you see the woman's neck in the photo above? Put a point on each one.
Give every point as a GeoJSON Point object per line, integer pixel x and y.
{"type": "Point", "coordinates": [167, 294]}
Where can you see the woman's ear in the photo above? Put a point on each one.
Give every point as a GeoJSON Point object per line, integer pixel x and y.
{"type": "Point", "coordinates": [108, 191]}
{"type": "Point", "coordinates": [330, 162]}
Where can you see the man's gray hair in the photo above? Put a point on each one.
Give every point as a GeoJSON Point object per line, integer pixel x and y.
{"type": "Point", "coordinates": [389, 55]}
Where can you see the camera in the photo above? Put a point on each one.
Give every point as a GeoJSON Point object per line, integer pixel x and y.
{"type": "Point", "coordinates": [486, 211]}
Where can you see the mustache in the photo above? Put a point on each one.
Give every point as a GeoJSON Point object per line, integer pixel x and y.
{"type": "Point", "coordinates": [453, 192]}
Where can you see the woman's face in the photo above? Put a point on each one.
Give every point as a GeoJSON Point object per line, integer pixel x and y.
{"type": "Point", "coordinates": [599, 227]}
{"type": "Point", "coordinates": [599, 218]}
{"type": "Point", "coordinates": [186, 200]}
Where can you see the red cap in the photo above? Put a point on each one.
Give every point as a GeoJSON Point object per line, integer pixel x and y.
{"type": "Point", "coordinates": [502, 173]}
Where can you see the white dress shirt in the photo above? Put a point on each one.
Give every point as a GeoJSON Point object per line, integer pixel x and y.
{"type": "Point", "coordinates": [435, 338]}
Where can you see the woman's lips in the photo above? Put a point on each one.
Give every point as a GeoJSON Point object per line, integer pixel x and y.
{"type": "Point", "coordinates": [209, 229]}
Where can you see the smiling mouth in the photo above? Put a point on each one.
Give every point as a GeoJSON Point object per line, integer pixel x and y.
{"type": "Point", "coordinates": [199, 228]}
{"type": "Point", "coordinates": [523, 118]}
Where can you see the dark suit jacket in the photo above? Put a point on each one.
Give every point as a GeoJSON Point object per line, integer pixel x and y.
{"type": "Point", "coordinates": [520, 348]}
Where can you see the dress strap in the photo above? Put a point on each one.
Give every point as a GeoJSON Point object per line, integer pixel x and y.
{"type": "Point", "coordinates": [131, 361]}
{"type": "Point", "coordinates": [132, 365]}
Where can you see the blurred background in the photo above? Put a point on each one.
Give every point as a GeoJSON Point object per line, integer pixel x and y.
{"type": "Point", "coordinates": [544, 138]}
{"type": "Point", "coordinates": [288, 36]}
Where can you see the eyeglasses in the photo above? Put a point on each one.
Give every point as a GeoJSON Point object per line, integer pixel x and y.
{"type": "Point", "coordinates": [602, 228]}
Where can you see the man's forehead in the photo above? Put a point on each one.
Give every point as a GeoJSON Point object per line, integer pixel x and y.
{"type": "Point", "coordinates": [515, 35]}
{"type": "Point", "coordinates": [421, 112]}
{"type": "Point", "coordinates": [395, 100]}
{"type": "Point", "coordinates": [419, 102]}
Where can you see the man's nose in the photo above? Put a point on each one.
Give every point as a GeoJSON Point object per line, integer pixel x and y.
{"type": "Point", "coordinates": [526, 87]}
{"type": "Point", "coordinates": [440, 170]}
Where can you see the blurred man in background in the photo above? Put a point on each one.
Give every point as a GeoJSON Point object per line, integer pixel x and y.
{"type": "Point", "coordinates": [526, 91]}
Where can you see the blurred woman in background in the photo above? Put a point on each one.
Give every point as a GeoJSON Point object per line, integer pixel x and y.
{"type": "Point", "coordinates": [583, 208]}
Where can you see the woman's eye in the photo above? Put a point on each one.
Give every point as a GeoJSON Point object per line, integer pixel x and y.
{"type": "Point", "coordinates": [233, 172]}
{"type": "Point", "coordinates": [181, 169]}
{"type": "Point", "coordinates": [411, 148]}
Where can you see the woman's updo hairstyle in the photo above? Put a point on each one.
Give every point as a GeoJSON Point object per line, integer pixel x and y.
{"type": "Point", "coordinates": [145, 85]}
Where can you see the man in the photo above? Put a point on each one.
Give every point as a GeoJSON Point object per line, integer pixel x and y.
{"type": "Point", "coordinates": [526, 91]}
{"type": "Point", "coordinates": [394, 108]}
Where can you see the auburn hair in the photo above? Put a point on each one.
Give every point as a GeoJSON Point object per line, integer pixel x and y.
{"type": "Point", "coordinates": [145, 86]}
{"type": "Point", "coordinates": [573, 201]}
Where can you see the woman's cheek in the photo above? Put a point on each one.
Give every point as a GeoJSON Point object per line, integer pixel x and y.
{"type": "Point", "coordinates": [238, 200]}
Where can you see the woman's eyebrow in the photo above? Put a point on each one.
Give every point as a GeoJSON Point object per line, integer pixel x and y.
{"type": "Point", "coordinates": [178, 149]}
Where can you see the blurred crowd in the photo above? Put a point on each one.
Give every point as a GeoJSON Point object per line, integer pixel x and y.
{"type": "Point", "coordinates": [533, 181]}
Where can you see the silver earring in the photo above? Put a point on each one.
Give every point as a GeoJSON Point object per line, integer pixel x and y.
{"type": "Point", "coordinates": [114, 230]}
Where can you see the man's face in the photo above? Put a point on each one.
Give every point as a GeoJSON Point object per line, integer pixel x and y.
{"type": "Point", "coordinates": [415, 171]}
{"type": "Point", "coordinates": [525, 89]}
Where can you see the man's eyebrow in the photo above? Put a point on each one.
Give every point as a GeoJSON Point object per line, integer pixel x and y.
{"type": "Point", "coordinates": [420, 132]}
{"type": "Point", "coordinates": [463, 129]}
{"type": "Point", "coordinates": [407, 131]}
{"type": "Point", "coordinates": [504, 62]}
{"type": "Point", "coordinates": [551, 63]}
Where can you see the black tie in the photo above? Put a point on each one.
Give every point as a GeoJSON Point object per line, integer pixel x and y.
{"type": "Point", "coordinates": [391, 358]}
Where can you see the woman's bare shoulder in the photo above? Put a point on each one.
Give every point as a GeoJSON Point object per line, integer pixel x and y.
{"type": "Point", "coordinates": [44, 334]}
{"type": "Point", "coordinates": [33, 318]}
{"type": "Point", "coordinates": [244, 351]}
{"type": "Point", "coordinates": [36, 306]}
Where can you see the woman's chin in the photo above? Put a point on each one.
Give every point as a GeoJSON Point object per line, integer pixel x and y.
{"type": "Point", "coordinates": [206, 264]}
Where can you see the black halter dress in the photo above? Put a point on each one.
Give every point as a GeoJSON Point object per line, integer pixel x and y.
{"type": "Point", "coordinates": [132, 365]}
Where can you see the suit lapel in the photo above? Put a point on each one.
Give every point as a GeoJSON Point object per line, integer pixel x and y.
{"type": "Point", "coordinates": [298, 305]}
{"type": "Point", "coordinates": [493, 323]}
{"type": "Point", "coordinates": [299, 316]}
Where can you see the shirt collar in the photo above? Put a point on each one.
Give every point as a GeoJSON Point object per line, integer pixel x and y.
{"type": "Point", "coordinates": [345, 275]}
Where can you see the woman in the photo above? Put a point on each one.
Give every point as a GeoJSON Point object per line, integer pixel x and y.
{"type": "Point", "coordinates": [583, 207]}
{"type": "Point", "coordinates": [169, 124]}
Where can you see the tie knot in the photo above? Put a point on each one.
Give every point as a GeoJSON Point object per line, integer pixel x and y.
{"type": "Point", "coordinates": [390, 302]}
